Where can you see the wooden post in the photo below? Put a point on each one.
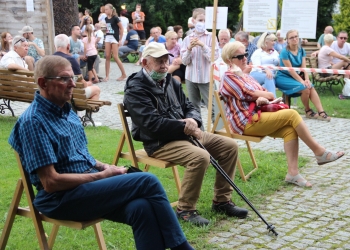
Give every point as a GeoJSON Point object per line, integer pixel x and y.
{"type": "Point", "coordinates": [211, 80]}
{"type": "Point", "coordinates": [50, 26]}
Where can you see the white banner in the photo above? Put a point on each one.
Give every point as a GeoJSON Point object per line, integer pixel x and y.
{"type": "Point", "coordinates": [260, 15]}
{"type": "Point", "coordinates": [300, 15]}
{"type": "Point", "coordinates": [221, 17]}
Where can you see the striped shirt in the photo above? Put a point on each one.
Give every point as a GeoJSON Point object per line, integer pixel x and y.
{"type": "Point", "coordinates": [237, 92]}
{"type": "Point", "coordinates": [46, 134]}
{"type": "Point", "coordinates": [198, 60]}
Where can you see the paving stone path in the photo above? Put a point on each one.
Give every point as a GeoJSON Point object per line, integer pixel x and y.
{"type": "Point", "coordinates": [317, 218]}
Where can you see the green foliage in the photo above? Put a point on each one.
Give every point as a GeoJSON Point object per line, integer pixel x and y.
{"type": "Point", "coordinates": [342, 20]}
{"type": "Point", "coordinates": [168, 13]}
{"type": "Point", "coordinates": [324, 15]}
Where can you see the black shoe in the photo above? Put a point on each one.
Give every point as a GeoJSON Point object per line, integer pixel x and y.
{"type": "Point", "coordinates": [230, 209]}
{"type": "Point", "coordinates": [193, 217]}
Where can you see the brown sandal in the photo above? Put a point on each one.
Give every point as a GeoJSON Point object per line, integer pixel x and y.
{"type": "Point", "coordinates": [323, 117]}
{"type": "Point", "coordinates": [311, 114]}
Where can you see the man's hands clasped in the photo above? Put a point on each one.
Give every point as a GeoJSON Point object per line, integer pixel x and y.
{"type": "Point", "coordinates": [191, 128]}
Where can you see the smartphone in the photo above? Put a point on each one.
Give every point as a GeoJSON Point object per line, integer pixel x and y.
{"type": "Point", "coordinates": [277, 100]}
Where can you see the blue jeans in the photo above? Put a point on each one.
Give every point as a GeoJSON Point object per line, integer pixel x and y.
{"type": "Point", "coordinates": [267, 83]}
{"type": "Point", "coordinates": [136, 199]}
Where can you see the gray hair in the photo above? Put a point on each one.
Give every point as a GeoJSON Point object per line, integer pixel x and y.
{"type": "Point", "coordinates": [242, 35]}
{"type": "Point", "coordinates": [224, 31]}
{"type": "Point", "coordinates": [61, 41]}
{"type": "Point", "coordinates": [49, 65]}
{"type": "Point", "coordinates": [16, 41]}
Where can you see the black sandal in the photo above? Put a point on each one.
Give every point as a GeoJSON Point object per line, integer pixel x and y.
{"type": "Point", "coordinates": [323, 117]}
{"type": "Point", "coordinates": [311, 114]}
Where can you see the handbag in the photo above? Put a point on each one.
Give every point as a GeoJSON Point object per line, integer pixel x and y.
{"type": "Point", "coordinates": [272, 107]}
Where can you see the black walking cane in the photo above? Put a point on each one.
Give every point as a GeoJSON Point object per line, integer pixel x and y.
{"type": "Point", "coordinates": [216, 165]}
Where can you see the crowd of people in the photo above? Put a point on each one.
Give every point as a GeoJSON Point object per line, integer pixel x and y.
{"type": "Point", "coordinates": [163, 117]}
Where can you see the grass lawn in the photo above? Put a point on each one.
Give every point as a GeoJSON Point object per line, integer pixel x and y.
{"type": "Point", "coordinates": [102, 145]}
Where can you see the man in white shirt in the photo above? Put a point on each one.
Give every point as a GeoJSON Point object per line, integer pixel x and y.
{"type": "Point", "coordinates": [223, 37]}
{"type": "Point", "coordinates": [14, 59]}
{"type": "Point", "coordinates": [341, 46]}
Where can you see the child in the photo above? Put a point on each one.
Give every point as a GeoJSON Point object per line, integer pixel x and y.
{"type": "Point", "coordinates": [195, 53]}
{"type": "Point", "coordinates": [90, 52]}
{"type": "Point", "coordinates": [114, 34]}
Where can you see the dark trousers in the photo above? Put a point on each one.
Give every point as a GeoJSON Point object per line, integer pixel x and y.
{"type": "Point", "coordinates": [136, 199]}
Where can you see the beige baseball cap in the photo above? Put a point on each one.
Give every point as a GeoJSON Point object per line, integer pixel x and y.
{"type": "Point", "coordinates": [155, 50]}
{"type": "Point", "coordinates": [26, 29]}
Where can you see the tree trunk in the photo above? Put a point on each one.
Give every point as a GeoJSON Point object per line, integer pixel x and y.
{"type": "Point", "coordinates": [65, 14]}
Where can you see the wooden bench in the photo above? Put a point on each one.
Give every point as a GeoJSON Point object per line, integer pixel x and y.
{"type": "Point", "coordinates": [16, 86]}
{"type": "Point", "coordinates": [323, 83]}
{"type": "Point", "coordinates": [80, 103]}
{"type": "Point", "coordinates": [309, 48]}
{"type": "Point", "coordinates": [20, 86]}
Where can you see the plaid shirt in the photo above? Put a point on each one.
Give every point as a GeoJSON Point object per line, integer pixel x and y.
{"type": "Point", "coordinates": [250, 49]}
{"type": "Point", "coordinates": [46, 134]}
{"type": "Point", "coordinates": [237, 92]}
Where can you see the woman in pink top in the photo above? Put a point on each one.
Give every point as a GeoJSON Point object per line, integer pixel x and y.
{"type": "Point", "coordinates": [90, 52]}
{"type": "Point", "coordinates": [176, 68]}
{"type": "Point", "coordinates": [326, 54]}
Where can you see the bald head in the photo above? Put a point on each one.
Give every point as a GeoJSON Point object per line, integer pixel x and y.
{"type": "Point", "coordinates": [328, 30]}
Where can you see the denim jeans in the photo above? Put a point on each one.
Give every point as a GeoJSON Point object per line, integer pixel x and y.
{"type": "Point", "coordinates": [268, 84]}
{"type": "Point", "coordinates": [136, 199]}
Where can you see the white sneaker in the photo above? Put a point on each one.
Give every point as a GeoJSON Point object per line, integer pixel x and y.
{"type": "Point", "coordinates": [97, 124]}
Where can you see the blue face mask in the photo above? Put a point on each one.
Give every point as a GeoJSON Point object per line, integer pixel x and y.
{"type": "Point", "coordinates": [156, 76]}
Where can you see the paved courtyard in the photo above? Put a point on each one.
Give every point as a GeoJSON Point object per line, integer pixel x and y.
{"type": "Point", "coordinates": [317, 218]}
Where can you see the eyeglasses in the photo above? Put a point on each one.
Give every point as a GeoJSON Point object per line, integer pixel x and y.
{"type": "Point", "coordinates": [293, 37]}
{"type": "Point", "coordinates": [240, 57]}
{"type": "Point", "coordinates": [20, 40]}
{"type": "Point", "coordinates": [64, 79]}
{"type": "Point", "coordinates": [343, 38]}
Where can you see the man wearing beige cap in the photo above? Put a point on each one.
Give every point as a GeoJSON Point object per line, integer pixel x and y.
{"type": "Point", "coordinates": [163, 119]}
{"type": "Point", "coordinates": [36, 45]}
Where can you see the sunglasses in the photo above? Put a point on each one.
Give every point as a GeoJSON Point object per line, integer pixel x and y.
{"type": "Point", "coordinates": [343, 38]}
{"type": "Point", "coordinates": [20, 40]}
{"type": "Point", "coordinates": [240, 57]}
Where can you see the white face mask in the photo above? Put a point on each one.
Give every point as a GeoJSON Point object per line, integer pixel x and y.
{"type": "Point", "coordinates": [200, 27]}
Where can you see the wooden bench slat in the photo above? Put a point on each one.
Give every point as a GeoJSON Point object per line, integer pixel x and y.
{"type": "Point", "coordinates": [18, 83]}
{"type": "Point", "coordinates": [9, 95]}
{"type": "Point", "coordinates": [17, 78]}
{"type": "Point", "coordinates": [7, 88]}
